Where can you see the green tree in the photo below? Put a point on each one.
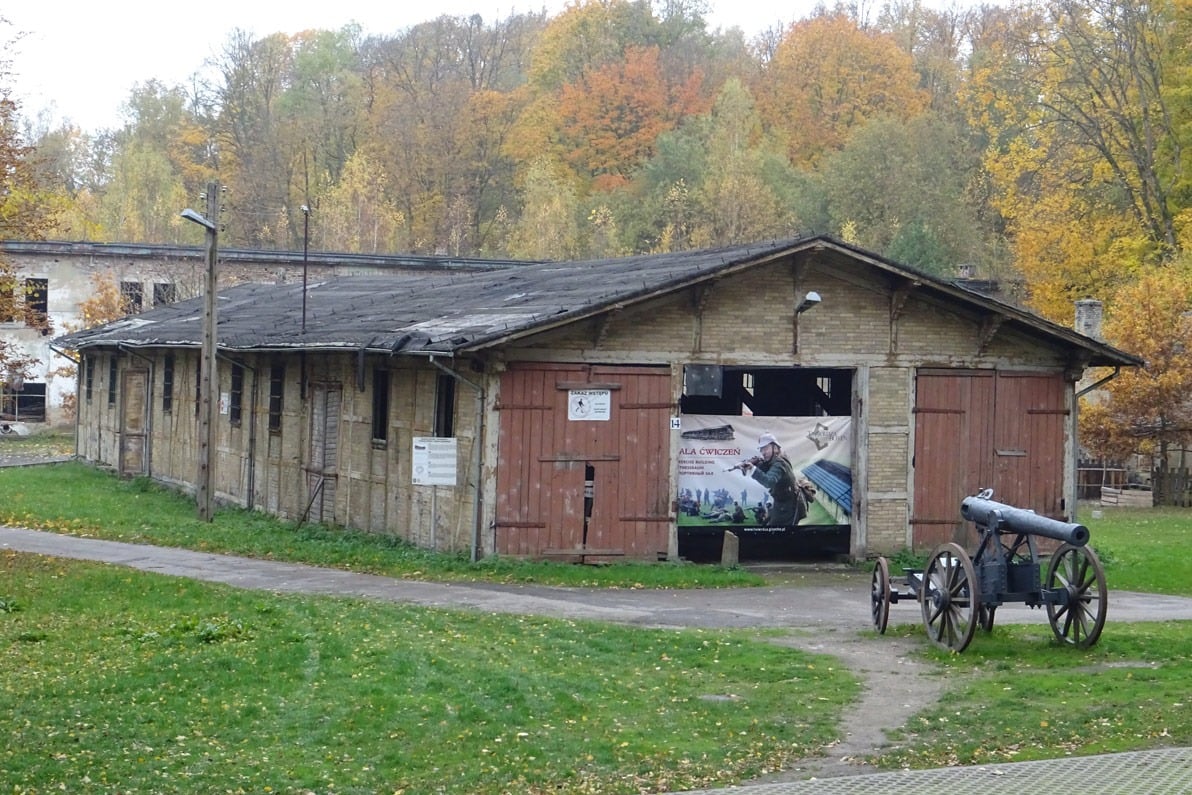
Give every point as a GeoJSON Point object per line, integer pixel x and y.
{"type": "Point", "coordinates": [548, 228]}
{"type": "Point", "coordinates": [912, 207]}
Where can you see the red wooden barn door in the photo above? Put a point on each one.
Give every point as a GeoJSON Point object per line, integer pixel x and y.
{"type": "Point", "coordinates": [568, 486]}
{"type": "Point", "coordinates": [977, 429]}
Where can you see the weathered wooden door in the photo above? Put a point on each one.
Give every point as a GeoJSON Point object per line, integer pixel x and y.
{"type": "Point", "coordinates": [570, 485]}
{"type": "Point", "coordinates": [323, 456]}
{"type": "Point", "coordinates": [977, 429]}
{"type": "Point", "coordinates": [134, 403]}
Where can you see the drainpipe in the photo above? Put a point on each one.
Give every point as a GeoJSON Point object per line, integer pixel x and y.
{"type": "Point", "coordinates": [78, 391]}
{"type": "Point", "coordinates": [477, 459]}
{"type": "Point", "coordinates": [148, 409]}
{"type": "Point", "coordinates": [1076, 431]}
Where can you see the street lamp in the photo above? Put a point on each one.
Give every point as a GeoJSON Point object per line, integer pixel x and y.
{"type": "Point", "coordinates": [207, 366]}
{"type": "Point", "coordinates": [305, 249]}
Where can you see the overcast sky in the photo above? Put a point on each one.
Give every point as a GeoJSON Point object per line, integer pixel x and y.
{"type": "Point", "coordinates": [79, 60]}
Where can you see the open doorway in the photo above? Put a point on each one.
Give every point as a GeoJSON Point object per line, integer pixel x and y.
{"type": "Point", "coordinates": [725, 410]}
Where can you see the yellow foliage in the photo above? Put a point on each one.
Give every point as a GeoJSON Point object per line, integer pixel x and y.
{"type": "Point", "coordinates": [106, 302]}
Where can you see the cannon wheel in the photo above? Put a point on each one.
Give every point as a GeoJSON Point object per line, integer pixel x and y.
{"type": "Point", "coordinates": [985, 617]}
{"type": "Point", "coordinates": [950, 598]}
{"type": "Point", "coordinates": [1080, 621]}
{"type": "Point", "coordinates": [879, 595]}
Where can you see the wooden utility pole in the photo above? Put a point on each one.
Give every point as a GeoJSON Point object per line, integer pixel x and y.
{"type": "Point", "coordinates": [208, 374]}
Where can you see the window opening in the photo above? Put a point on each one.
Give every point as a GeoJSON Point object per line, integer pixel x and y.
{"type": "Point", "coordinates": [167, 384]}
{"type": "Point", "coordinates": [8, 302]}
{"type": "Point", "coordinates": [236, 395]}
{"type": "Point", "coordinates": [380, 407]}
{"type": "Point", "coordinates": [113, 371]}
{"type": "Point", "coordinates": [37, 304]}
{"type": "Point", "coordinates": [164, 293]}
{"type": "Point", "coordinates": [88, 376]}
{"type": "Point", "coordinates": [277, 385]}
{"type": "Point", "coordinates": [132, 296]}
{"type": "Point", "coordinates": [445, 406]}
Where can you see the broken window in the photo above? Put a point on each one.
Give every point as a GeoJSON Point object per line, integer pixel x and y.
{"type": "Point", "coordinates": [37, 304]}
{"type": "Point", "coordinates": [132, 297]}
{"type": "Point", "coordinates": [8, 298]}
{"type": "Point", "coordinates": [164, 293]}
{"type": "Point", "coordinates": [770, 391]}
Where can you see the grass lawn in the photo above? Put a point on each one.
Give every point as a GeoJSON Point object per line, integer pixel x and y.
{"type": "Point", "coordinates": [123, 680]}
{"type": "Point", "coordinates": [77, 499]}
{"type": "Point", "coordinates": [1015, 696]}
{"type": "Point", "coordinates": [1018, 696]}
{"type": "Point", "coordinates": [1143, 549]}
{"type": "Point", "coordinates": [116, 680]}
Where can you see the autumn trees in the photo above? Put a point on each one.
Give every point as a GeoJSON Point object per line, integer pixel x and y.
{"type": "Point", "coordinates": [1039, 144]}
{"type": "Point", "coordinates": [26, 212]}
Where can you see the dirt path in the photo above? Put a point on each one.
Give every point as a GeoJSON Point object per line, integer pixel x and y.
{"type": "Point", "coordinates": [895, 684]}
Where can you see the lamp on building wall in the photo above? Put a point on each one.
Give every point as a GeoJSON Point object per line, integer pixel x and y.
{"type": "Point", "coordinates": [812, 299]}
{"type": "Point", "coordinates": [207, 371]}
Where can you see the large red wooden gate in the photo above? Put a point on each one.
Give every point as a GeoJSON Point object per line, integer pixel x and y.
{"type": "Point", "coordinates": [570, 486]}
{"type": "Point", "coordinates": [978, 429]}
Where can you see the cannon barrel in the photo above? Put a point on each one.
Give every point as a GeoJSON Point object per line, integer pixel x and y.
{"type": "Point", "coordinates": [990, 514]}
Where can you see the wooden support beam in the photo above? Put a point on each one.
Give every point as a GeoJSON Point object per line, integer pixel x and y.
{"type": "Point", "coordinates": [989, 329]}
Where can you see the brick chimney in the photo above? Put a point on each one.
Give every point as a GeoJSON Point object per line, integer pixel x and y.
{"type": "Point", "coordinates": [1088, 317]}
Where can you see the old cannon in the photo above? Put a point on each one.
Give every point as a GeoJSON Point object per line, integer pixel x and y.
{"type": "Point", "coordinates": [957, 593]}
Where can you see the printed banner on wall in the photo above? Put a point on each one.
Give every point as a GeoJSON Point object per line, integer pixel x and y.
{"type": "Point", "coordinates": [721, 484]}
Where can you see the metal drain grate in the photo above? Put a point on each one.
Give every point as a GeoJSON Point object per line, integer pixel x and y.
{"type": "Point", "coordinates": [1161, 772]}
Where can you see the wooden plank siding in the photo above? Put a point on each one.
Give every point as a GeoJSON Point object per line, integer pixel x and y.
{"type": "Point", "coordinates": [977, 429]}
{"type": "Point", "coordinates": [544, 460]}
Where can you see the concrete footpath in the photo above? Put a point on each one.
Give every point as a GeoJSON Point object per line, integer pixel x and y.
{"type": "Point", "coordinates": [828, 604]}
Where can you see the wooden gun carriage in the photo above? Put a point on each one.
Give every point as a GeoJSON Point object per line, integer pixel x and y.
{"type": "Point", "coordinates": [957, 593]}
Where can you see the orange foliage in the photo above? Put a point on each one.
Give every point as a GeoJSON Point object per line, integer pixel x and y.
{"type": "Point", "coordinates": [611, 117]}
{"type": "Point", "coordinates": [1147, 408]}
{"type": "Point", "coordinates": [827, 77]}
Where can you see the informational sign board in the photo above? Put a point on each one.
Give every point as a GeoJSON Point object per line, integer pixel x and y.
{"type": "Point", "coordinates": [434, 461]}
{"type": "Point", "coordinates": [589, 405]}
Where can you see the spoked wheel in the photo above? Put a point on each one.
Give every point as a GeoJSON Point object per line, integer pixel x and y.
{"type": "Point", "coordinates": [1080, 621]}
{"type": "Point", "coordinates": [985, 617]}
{"type": "Point", "coordinates": [879, 595]}
{"type": "Point", "coordinates": [950, 598]}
